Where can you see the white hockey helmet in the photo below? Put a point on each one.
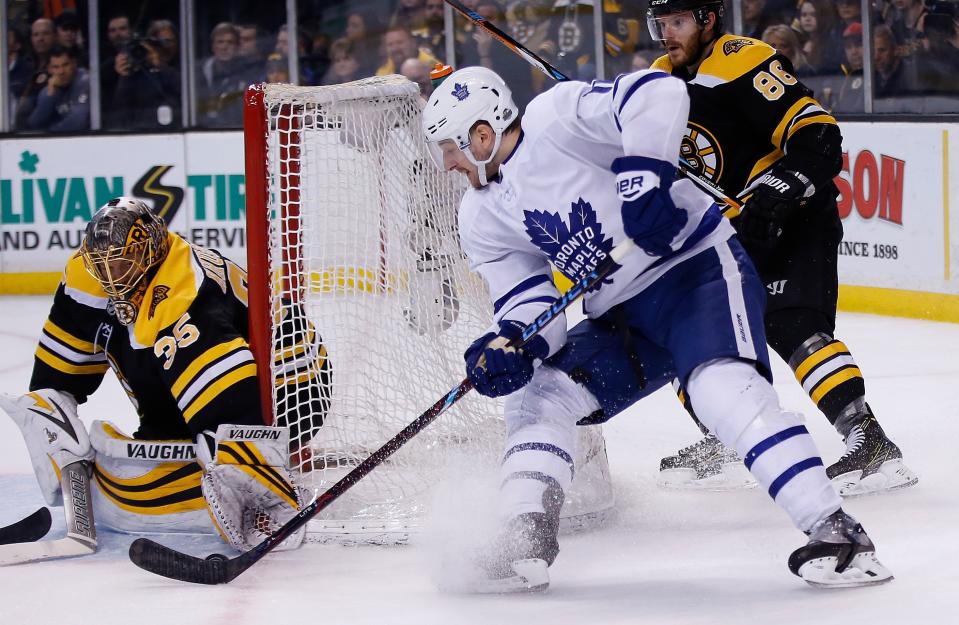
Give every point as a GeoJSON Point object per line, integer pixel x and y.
{"type": "Point", "coordinates": [465, 97]}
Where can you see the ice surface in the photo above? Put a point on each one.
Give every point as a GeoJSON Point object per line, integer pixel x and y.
{"type": "Point", "coordinates": [665, 557]}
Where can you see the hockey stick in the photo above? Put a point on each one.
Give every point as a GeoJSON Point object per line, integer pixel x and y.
{"type": "Point", "coordinates": [219, 569]}
{"type": "Point", "coordinates": [544, 66]}
{"type": "Point", "coordinates": [81, 536]}
{"type": "Point", "coordinates": [27, 529]}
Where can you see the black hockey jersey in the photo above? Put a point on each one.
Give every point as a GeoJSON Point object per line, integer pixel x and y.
{"type": "Point", "coordinates": [745, 104]}
{"type": "Point", "coordinates": [184, 362]}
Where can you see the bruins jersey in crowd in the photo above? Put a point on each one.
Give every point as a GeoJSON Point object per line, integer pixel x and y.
{"type": "Point", "coordinates": [745, 107]}
{"type": "Point", "coordinates": [185, 361]}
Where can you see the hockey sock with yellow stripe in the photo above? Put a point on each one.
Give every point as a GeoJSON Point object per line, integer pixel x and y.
{"type": "Point", "coordinates": [830, 376]}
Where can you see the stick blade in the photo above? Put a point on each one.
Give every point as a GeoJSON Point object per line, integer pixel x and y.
{"type": "Point", "coordinates": [161, 560]}
{"type": "Point", "coordinates": [28, 529]}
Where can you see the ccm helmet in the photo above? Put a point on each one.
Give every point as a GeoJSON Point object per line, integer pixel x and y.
{"type": "Point", "coordinates": [465, 97]}
{"type": "Point", "coordinates": [699, 8]}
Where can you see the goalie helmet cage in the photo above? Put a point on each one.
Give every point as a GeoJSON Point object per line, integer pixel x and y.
{"type": "Point", "coordinates": [351, 233]}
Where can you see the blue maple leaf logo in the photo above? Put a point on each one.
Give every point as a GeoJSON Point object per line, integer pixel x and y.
{"type": "Point", "coordinates": [460, 92]}
{"type": "Point", "coordinates": [575, 249]}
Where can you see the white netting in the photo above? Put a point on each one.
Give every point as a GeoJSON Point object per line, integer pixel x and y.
{"type": "Point", "coordinates": [363, 244]}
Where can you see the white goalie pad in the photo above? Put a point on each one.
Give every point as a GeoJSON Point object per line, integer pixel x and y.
{"type": "Point", "coordinates": [54, 435]}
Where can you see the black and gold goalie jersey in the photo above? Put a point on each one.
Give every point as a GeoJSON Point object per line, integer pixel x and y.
{"type": "Point", "coordinates": [185, 362]}
{"type": "Point", "coordinates": [747, 110]}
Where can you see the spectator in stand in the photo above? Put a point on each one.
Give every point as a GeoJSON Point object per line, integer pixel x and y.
{"type": "Point", "coordinates": [481, 49]}
{"type": "Point", "coordinates": [756, 19]}
{"type": "Point", "coordinates": [938, 60]}
{"type": "Point", "coordinates": [818, 22]}
{"type": "Point", "coordinates": [277, 68]}
{"type": "Point", "coordinates": [850, 98]}
{"type": "Point", "coordinates": [19, 66]}
{"type": "Point", "coordinates": [572, 35]}
{"type": "Point", "coordinates": [69, 35]}
{"type": "Point", "coordinates": [892, 76]}
{"type": "Point", "coordinates": [250, 53]}
{"type": "Point", "coordinates": [786, 42]}
{"type": "Point", "coordinates": [221, 81]}
{"type": "Point", "coordinates": [419, 72]}
{"type": "Point", "coordinates": [42, 40]}
{"type": "Point", "coordinates": [344, 66]}
{"type": "Point", "coordinates": [431, 34]}
{"type": "Point", "coordinates": [119, 34]}
{"type": "Point", "coordinates": [905, 24]}
{"type": "Point", "coordinates": [64, 103]}
{"type": "Point", "coordinates": [399, 45]}
{"type": "Point", "coordinates": [147, 95]}
{"type": "Point", "coordinates": [364, 29]}
{"type": "Point", "coordinates": [409, 15]}
{"type": "Point", "coordinates": [304, 46]}
{"type": "Point", "coordinates": [641, 60]}
{"type": "Point", "coordinates": [164, 32]}
{"type": "Point", "coordinates": [849, 11]}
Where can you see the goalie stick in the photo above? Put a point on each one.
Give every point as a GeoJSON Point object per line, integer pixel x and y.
{"type": "Point", "coordinates": [81, 538]}
{"type": "Point", "coordinates": [27, 529]}
{"type": "Point", "coordinates": [219, 569]}
{"type": "Point", "coordinates": [544, 66]}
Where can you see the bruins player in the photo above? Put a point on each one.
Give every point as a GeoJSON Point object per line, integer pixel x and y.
{"type": "Point", "coordinates": [753, 127]}
{"type": "Point", "coordinates": [170, 319]}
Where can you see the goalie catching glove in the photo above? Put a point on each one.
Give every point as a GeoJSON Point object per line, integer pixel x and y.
{"type": "Point", "coordinates": [495, 369]}
{"type": "Point", "coordinates": [54, 435]}
{"type": "Point", "coordinates": [775, 199]}
{"type": "Point", "coordinates": [247, 484]}
{"type": "Point", "coordinates": [650, 218]}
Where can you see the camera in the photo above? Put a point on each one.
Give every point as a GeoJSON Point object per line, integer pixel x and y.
{"type": "Point", "coordinates": [138, 50]}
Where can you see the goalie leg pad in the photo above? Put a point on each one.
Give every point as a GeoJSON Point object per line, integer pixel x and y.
{"type": "Point", "coordinates": [733, 400]}
{"type": "Point", "coordinates": [144, 486]}
{"type": "Point", "coordinates": [54, 435]}
{"type": "Point", "coordinates": [248, 485]}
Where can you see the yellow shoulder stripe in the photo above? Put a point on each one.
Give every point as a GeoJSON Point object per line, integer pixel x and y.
{"type": "Point", "coordinates": [76, 276]}
{"type": "Point", "coordinates": [733, 56]}
{"type": "Point", "coordinates": [178, 274]}
{"type": "Point", "coordinates": [662, 63]}
{"type": "Point", "coordinates": [211, 355]}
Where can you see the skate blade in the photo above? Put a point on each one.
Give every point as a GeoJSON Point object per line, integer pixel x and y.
{"type": "Point", "coordinates": [892, 475]}
{"type": "Point", "coordinates": [864, 570]}
{"type": "Point", "coordinates": [532, 575]}
{"type": "Point", "coordinates": [733, 477]}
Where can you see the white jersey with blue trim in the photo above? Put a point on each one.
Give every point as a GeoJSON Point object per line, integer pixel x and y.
{"type": "Point", "coordinates": [555, 202]}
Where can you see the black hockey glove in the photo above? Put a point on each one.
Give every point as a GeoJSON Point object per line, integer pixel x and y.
{"type": "Point", "coordinates": [777, 196]}
{"type": "Point", "coordinates": [503, 371]}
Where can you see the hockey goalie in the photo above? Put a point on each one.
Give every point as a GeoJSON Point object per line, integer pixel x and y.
{"type": "Point", "coordinates": [170, 319]}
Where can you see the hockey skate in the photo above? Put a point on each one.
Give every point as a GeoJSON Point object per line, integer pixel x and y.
{"type": "Point", "coordinates": [839, 554]}
{"type": "Point", "coordinates": [519, 558]}
{"type": "Point", "coordinates": [872, 463]}
{"type": "Point", "coordinates": [705, 465]}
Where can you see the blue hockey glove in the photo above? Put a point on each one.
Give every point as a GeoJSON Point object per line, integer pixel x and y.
{"type": "Point", "coordinates": [776, 197]}
{"type": "Point", "coordinates": [502, 371]}
{"type": "Point", "coordinates": [649, 216]}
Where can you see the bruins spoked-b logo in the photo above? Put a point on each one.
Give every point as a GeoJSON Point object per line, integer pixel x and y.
{"type": "Point", "coordinates": [702, 152]}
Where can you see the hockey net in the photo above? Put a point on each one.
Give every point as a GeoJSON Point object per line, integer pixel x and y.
{"type": "Point", "coordinates": [352, 234]}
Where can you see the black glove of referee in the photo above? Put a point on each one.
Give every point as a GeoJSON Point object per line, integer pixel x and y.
{"type": "Point", "coordinates": [774, 200]}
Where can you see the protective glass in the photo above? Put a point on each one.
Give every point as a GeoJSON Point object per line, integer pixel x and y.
{"type": "Point", "coordinates": [674, 23]}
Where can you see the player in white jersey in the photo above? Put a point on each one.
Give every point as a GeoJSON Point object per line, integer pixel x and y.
{"type": "Point", "coordinates": [588, 166]}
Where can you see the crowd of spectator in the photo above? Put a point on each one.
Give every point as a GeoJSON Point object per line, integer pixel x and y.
{"type": "Point", "coordinates": [915, 50]}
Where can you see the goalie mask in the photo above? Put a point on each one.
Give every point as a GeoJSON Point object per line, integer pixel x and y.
{"type": "Point", "coordinates": [467, 96]}
{"type": "Point", "coordinates": [123, 241]}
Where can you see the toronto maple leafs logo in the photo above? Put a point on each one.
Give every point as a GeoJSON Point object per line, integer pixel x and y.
{"type": "Point", "coordinates": [460, 92]}
{"type": "Point", "coordinates": [575, 249]}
